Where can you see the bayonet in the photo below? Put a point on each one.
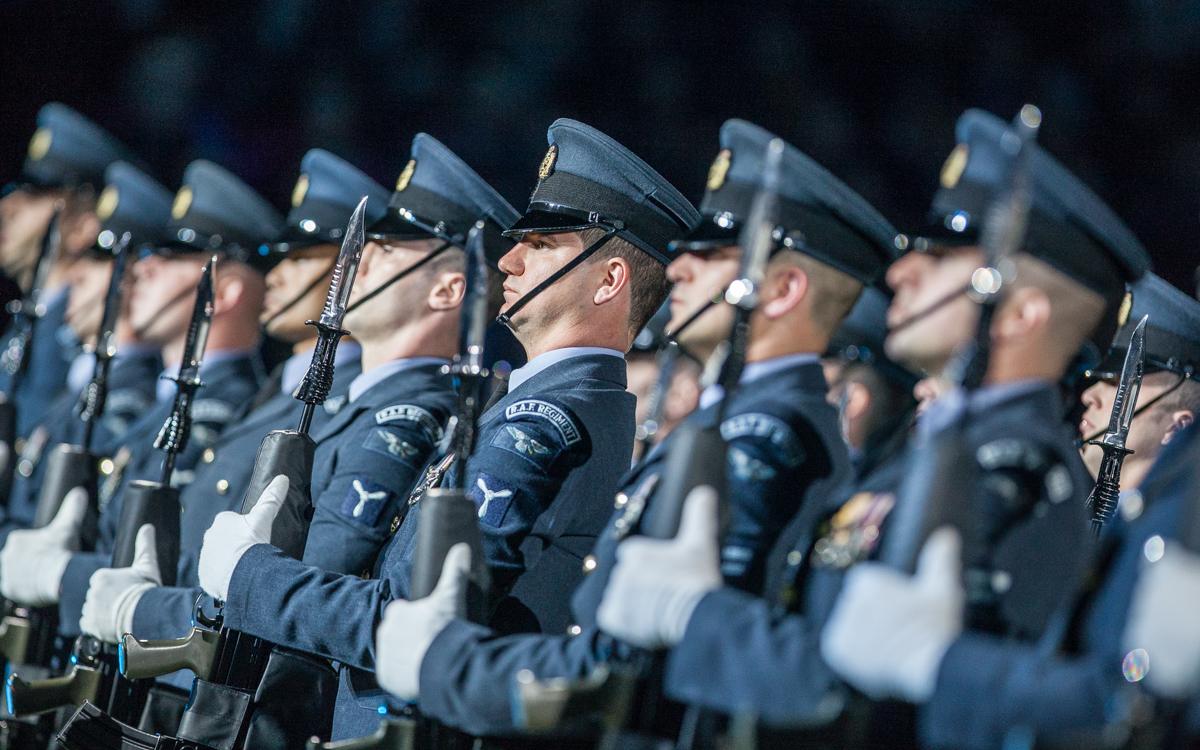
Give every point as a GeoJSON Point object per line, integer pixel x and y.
{"type": "Point", "coordinates": [27, 310]}
{"type": "Point", "coordinates": [1104, 496]}
{"type": "Point", "coordinates": [172, 438]}
{"type": "Point", "coordinates": [318, 381]}
{"type": "Point", "coordinates": [96, 393]}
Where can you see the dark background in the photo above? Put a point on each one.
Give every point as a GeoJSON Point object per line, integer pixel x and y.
{"type": "Point", "coordinates": [870, 89]}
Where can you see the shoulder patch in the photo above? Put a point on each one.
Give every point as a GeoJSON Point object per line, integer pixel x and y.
{"type": "Point", "coordinates": [556, 416]}
{"type": "Point", "coordinates": [212, 410]}
{"type": "Point", "coordinates": [748, 468]}
{"type": "Point", "coordinates": [411, 413]}
{"type": "Point", "coordinates": [492, 496]}
{"type": "Point", "coordinates": [364, 501]}
{"type": "Point", "coordinates": [385, 442]}
{"type": "Point", "coordinates": [772, 429]}
{"type": "Point", "coordinates": [1012, 453]}
{"type": "Point", "coordinates": [537, 446]}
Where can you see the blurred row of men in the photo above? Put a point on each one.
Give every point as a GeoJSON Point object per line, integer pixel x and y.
{"type": "Point", "coordinates": [782, 611]}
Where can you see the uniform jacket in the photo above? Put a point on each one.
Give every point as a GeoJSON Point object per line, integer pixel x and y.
{"type": "Point", "coordinates": [548, 456]}
{"type": "Point", "coordinates": [131, 385]}
{"type": "Point", "coordinates": [742, 653]}
{"type": "Point", "coordinates": [228, 385]}
{"type": "Point", "coordinates": [785, 451]}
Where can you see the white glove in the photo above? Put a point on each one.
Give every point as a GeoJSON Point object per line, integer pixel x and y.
{"type": "Point", "coordinates": [232, 533]}
{"type": "Point", "coordinates": [113, 593]}
{"type": "Point", "coordinates": [889, 631]}
{"type": "Point", "coordinates": [656, 584]}
{"type": "Point", "coordinates": [408, 628]}
{"type": "Point", "coordinates": [33, 561]}
{"type": "Point", "coordinates": [1165, 622]}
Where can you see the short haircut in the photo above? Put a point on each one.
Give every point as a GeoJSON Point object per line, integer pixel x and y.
{"type": "Point", "coordinates": [648, 285]}
{"type": "Point", "coordinates": [833, 293]}
{"type": "Point", "coordinates": [1184, 398]}
{"type": "Point", "coordinates": [1076, 311]}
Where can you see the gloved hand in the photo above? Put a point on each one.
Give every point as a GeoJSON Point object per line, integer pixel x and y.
{"type": "Point", "coordinates": [1165, 621]}
{"type": "Point", "coordinates": [33, 561]}
{"type": "Point", "coordinates": [889, 631]}
{"type": "Point", "coordinates": [408, 628]}
{"type": "Point", "coordinates": [232, 533]}
{"type": "Point", "coordinates": [656, 584]}
{"type": "Point", "coordinates": [113, 593]}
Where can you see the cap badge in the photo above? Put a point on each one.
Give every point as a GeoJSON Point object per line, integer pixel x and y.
{"type": "Point", "coordinates": [719, 169]}
{"type": "Point", "coordinates": [1123, 310]}
{"type": "Point", "coordinates": [107, 204]}
{"type": "Point", "coordinates": [39, 144]}
{"type": "Point", "coordinates": [547, 166]}
{"type": "Point", "coordinates": [183, 201]}
{"type": "Point", "coordinates": [956, 164]}
{"type": "Point", "coordinates": [300, 190]}
{"type": "Point", "coordinates": [406, 175]}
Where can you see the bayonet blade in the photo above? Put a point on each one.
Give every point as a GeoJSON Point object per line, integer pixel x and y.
{"type": "Point", "coordinates": [106, 340]}
{"type": "Point", "coordinates": [757, 238]}
{"type": "Point", "coordinates": [346, 268]}
{"type": "Point", "coordinates": [1125, 402]}
{"type": "Point", "coordinates": [476, 303]}
{"type": "Point", "coordinates": [197, 335]}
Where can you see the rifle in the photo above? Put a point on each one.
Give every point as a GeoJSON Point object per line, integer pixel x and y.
{"type": "Point", "coordinates": [696, 457]}
{"type": "Point", "coordinates": [25, 312]}
{"type": "Point", "coordinates": [229, 665]}
{"type": "Point", "coordinates": [95, 675]}
{"type": "Point", "coordinates": [448, 516]}
{"type": "Point", "coordinates": [931, 492]}
{"type": "Point", "coordinates": [69, 466]}
{"type": "Point", "coordinates": [1103, 497]}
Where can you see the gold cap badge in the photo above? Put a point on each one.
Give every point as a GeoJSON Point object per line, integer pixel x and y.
{"type": "Point", "coordinates": [183, 201]}
{"type": "Point", "coordinates": [956, 164]}
{"type": "Point", "coordinates": [406, 175]}
{"type": "Point", "coordinates": [39, 144]}
{"type": "Point", "coordinates": [107, 203]}
{"type": "Point", "coordinates": [547, 166]}
{"type": "Point", "coordinates": [300, 190]}
{"type": "Point", "coordinates": [719, 169]}
{"type": "Point", "coordinates": [1123, 310]}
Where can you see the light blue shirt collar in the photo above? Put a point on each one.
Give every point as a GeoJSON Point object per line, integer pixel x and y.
{"type": "Point", "coordinates": [954, 402]}
{"type": "Point", "coordinates": [367, 380]}
{"type": "Point", "coordinates": [553, 357]}
{"type": "Point", "coordinates": [295, 367]}
{"type": "Point", "coordinates": [84, 364]}
{"type": "Point", "coordinates": [165, 389]}
{"type": "Point", "coordinates": [757, 370]}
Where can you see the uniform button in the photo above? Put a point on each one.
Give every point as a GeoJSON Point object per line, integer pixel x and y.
{"type": "Point", "coordinates": [574, 630]}
{"type": "Point", "coordinates": [622, 498]}
{"type": "Point", "coordinates": [107, 466]}
{"type": "Point", "coordinates": [794, 557]}
{"type": "Point", "coordinates": [589, 564]}
{"type": "Point", "coordinates": [208, 456]}
{"type": "Point", "coordinates": [222, 486]}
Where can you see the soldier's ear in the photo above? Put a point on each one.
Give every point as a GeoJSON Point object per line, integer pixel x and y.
{"type": "Point", "coordinates": [616, 277]}
{"type": "Point", "coordinates": [448, 291]}
{"type": "Point", "coordinates": [1180, 421]}
{"type": "Point", "coordinates": [784, 289]}
{"type": "Point", "coordinates": [1025, 312]}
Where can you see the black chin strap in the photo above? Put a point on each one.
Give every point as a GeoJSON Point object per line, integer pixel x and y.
{"type": "Point", "coordinates": [303, 293]}
{"type": "Point", "coordinates": [402, 274]}
{"type": "Point", "coordinates": [930, 310]}
{"type": "Point", "coordinates": [184, 294]}
{"type": "Point", "coordinates": [505, 318]}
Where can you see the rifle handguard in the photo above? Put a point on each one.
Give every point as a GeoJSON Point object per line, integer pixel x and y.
{"type": "Point", "coordinates": [291, 453]}
{"type": "Point", "coordinates": [8, 436]}
{"type": "Point", "coordinates": [448, 517]}
{"type": "Point", "coordinates": [392, 734]}
{"type": "Point", "coordinates": [698, 457]}
{"type": "Point", "coordinates": [15, 633]}
{"type": "Point", "coordinates": [602, 698]}
{"type": "Point", "coordinates": [67, 467]}
{"type": "Point", "coordinates": [149, 503]}
{"type": "Point", "coordinates": [31, 698]}
{"type": "Point", "coordinates": [139, 660]}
